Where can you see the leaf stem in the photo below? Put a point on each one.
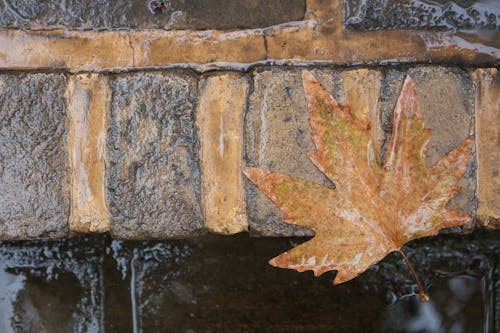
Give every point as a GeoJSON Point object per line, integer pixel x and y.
{"type": "Point", "coordinates": [421, 293]}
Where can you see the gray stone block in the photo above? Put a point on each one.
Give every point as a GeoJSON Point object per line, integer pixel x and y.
{"type": "Point", "coordinates": [149, 14]}
{"type": "Point", "coordinates": [416, 14]}
{"type": "Point", "coordinates": [34, 177]}
{"type": "Point", "coordinates": [153, 178]}
{"type": "Point", "coordinates": [446, 97]}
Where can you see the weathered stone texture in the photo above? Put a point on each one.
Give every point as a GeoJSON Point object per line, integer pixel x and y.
{"type": "Point", "coordinates": [34, 177]}
{"type": "Point", "coordinates": [219, 116]}
{"type": "Point", "coordinates": [87, 100]}
{"type": "Point", "coordinates": [487, 83]}
{"type": "Point", "coordinates": [414, 14]}
{"type": "Point", "coordinates": [153, 178]}
{"type": "Point", "coordinates": [150, 14]}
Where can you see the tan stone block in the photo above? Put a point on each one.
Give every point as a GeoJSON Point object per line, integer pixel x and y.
{"type": "Point", "coordinates": [219, 118]}
{"type": "Point", "coordinates": [88, 100]}
{"type": "Point", "coordinates": [487, 82]}
{"type": "Point", "coordinates": [117, 50]}
{"type": "Point", "coordinates": [158, 48]}
{"type": "Point", "coordinates": [321, 37]}
{"type": "Point", "coordinates": [71, 50]}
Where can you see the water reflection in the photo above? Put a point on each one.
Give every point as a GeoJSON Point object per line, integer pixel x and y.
{"type": "Point", "coordinates": [223, 284]}
{"type": "Point", "coordinates": [457, 306]}
{"type": "Point", "coordinates": [10, 286]}
{"type": "Point", "coordinates": [50, 287]}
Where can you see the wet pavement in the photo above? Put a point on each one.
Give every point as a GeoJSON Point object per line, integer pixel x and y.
{"type": "Point", "coordinates": [223, 284]}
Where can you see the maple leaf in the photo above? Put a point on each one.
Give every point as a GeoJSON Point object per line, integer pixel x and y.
{"type": "Point", "coordinates": [374, 209]}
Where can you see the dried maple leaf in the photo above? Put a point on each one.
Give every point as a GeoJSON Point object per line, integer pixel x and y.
{"type": "Point", "coordinates": [374, 209]}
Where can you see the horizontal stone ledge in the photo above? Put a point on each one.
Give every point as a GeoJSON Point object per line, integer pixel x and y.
{"type": "Point", "coordinates": [320, 38]}
{"type": "Point", "coordinates": [80, 51]}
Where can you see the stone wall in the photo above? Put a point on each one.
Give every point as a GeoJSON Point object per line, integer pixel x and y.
{"type": "Point", "coordinates": [137, 126]}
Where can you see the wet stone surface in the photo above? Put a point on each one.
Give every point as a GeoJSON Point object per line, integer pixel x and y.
{"type": "Point", "coordinates": [34, 177]}
{"type": "Point", "coordinates": [277, 138]}
{"type": "Point", "coordinates": [151, 14]}
{"type": "Point", "coordinates": [153, 178]}
{"type": "Point", "coordinates": [414, 14]}
{"type": "Point", "coordinates": [223, 284]}
{"type": "Point", "coordinates": [446, 98]}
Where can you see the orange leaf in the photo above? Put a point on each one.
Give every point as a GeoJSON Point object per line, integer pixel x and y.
{"type": "Point", "coordinates": [374, 209]}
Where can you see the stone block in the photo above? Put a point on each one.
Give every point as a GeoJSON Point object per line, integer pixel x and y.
{"type": "Point", "coordinates": [416, 14]}
{"type": "Point", "coordinates": [487, 82]}
{"type": "Point", "coordinates": [154, 179]}
{"type": "Point", "coordinates": [277, 138]}
{"type": "Point", "coordinates": [446, 98]}
{"type": "Point", "coordinates": [149, 14]}
{"type": "Point", "coordinates": [34, 174]}
{"type": "Point", "coordinates": [219, 117]}
{"type": "Point", "coordinates": [277, 133]}
{"type": "Point", "coordinates": [87, 101]}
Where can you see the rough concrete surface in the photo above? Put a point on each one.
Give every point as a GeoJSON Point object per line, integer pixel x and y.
{"type": "Point", "coordinates": [154, 179]}
{"type": "Point", "coordinates": [34, 174]}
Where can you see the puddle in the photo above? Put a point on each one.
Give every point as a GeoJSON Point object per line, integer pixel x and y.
{"type": "Point", "coordinates": [458, 305]}
{"type": "Point", "coordinates": [223, 284]}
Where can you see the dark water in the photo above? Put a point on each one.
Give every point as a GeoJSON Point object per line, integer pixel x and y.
{"type": "Point", "coordinates": [223, 284]}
